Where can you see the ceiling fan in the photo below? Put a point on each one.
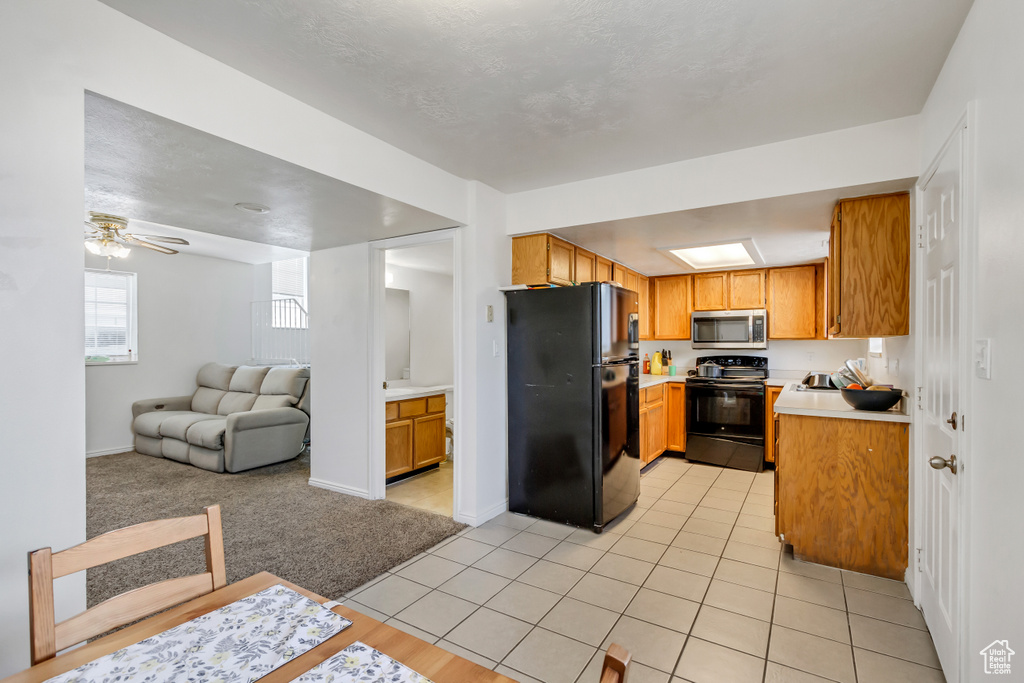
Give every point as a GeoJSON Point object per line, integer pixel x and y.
{"type": "Point", "coordinates": [106, 236]}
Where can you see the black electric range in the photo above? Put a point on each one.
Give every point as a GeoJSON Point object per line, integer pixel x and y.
{"type": "Point", "coordinates": [725, 415]}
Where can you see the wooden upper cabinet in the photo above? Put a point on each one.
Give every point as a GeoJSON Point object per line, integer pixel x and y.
{"type": "Point", "coordinates": [834, 274]}
{"type": "Point", "coordinates": [542, 259]}
{"type": "Point", "coordinates": [644, 305]}
{"type": "Point", "coordinates": [586, 265]}
{"type": "Point", "coordinates": [711, 291]}
{"type": "Point", "coordinates": [632, 281]}
{"type": "Point", "coordinates": [792, 303]}
{"type": "Point", "coordinates": [746, 289]}
{"type": "Point", "coordinates": [672, 307]}
{"type": "Point", "coordinates": [869, 257]}
{"type": "Point", "coordinates": [604, 270]}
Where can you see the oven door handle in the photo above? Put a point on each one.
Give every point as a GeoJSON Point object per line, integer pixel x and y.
{"type": "Point", "coordinates": [745, 386]}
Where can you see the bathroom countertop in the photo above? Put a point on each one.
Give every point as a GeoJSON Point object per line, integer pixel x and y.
{"type": "Point", "coordinates": [403, 393]}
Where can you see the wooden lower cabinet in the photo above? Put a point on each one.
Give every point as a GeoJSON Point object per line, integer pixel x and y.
{"type": "Point", "coordinates": [414, 434]}
{"type": "Point", "coordinates": [841, 492]}
{"type": "Point", "coordinates": [676, 408]}
{"type": "Point", "coordinates": [771, 440]}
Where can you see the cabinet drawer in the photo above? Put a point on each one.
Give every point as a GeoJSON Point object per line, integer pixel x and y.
{"type": "Point", "coordinates": [435, 404]}
{"type": "Point", "coordinates": [412, 408]}
{"type": "Point", "coordinates": [391, 411]}
{"type": "Point", "coordinates": [655, 394]}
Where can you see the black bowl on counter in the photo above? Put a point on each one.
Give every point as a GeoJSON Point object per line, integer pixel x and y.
{"type": "Point", "coordinates": [862, 399]}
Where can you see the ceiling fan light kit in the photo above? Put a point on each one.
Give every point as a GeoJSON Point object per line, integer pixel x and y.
{"type": "Point", "coordinates": [106, 237]}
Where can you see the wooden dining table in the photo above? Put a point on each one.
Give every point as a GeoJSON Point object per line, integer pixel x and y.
{"type": "Point", "coordinates": [436, 664]}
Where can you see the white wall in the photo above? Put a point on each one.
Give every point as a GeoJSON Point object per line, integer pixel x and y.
{"type": "Point", "coordinates": [986, 65]}
{"type": "Point", "coordinates": [47, 60]}
{"type": "Point", "coordinates": [430, 324]}
{"type": "Point", "coordinates": [786, 358]}
{"type": "Point", "coordinates": [191, 310]}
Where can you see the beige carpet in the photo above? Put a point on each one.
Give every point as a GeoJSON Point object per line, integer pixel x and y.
{"type": "Point", "coordinates": [273, 521]}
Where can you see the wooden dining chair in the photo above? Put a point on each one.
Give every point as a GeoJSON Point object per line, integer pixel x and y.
{"type": "Point", "coordinates": [48, 637]}
{"type": "Point", "coordinates": [616, 664]}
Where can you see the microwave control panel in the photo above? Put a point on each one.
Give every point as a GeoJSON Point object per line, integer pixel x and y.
{"type": "Point", "coordinates": [758, 329]}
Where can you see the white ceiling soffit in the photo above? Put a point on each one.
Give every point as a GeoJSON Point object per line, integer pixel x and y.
{"type": "Point", "coordinates": [436, 257]}
{"type": "Point", "coordinates": [149, 168]}
{"type": "Point", "coordinates": [522, 93]}
{"type": "Point", "coordinates": [787, 230]}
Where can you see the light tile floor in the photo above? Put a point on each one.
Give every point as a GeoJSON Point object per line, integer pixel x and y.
{"type": "Point", "coordinates": [692, 581]}
{"type": "Point", "coordinates": [431, 491]}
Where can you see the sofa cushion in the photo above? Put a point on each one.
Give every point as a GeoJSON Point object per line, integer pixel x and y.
{"type": "Point", "coordinates": [215, 376]}
{"type": "Point", "coordinates": [206, 459]}
{"type": "Point", "coordinates": [285, 381]}
{"type": "Point", "coordinates": [148, 424]}
{"type": "Point", "coordinates": [208, 433]}
{"type": "Point", "coordinates": [147, 445]}
{"type": "Point", "coordinates": [248, 378]}
{"type": "Point", "coordinates": [235, 402]}
{"type": "Point", "coordinates": [175, 450]}
{"type": "Point", "coordinates": [268, 402]}
{"type": "Point", "coordinates": [206, 400]}
{"type": "Point", "coordinates": [176, 427]}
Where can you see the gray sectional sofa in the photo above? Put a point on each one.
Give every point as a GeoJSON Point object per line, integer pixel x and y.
{"type": "Point", "coordinates": [239, 417]}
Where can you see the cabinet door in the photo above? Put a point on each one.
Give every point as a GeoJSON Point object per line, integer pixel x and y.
{"type": "Point", "coordinates": [632, 281]}
{"type": "Point", "coordinates": [620, 274]}
{"type": "Point", "coordinates": [604, 270]}
{"type": "Point", "coordinates": [710, 291]}
{"type": "Point", "coordinates": [586, 265]}
{"type": "Point", "coordinates": [792, 302]}
{"type": "Point", "coordinates": [561, 261]}
{"type": "Point", "coordinates": [428, 434]}
{"type": "Point", "coordinates": [657, 437]}
{"type": "Point", "coordinates": [769, 424]}
{"type": "Point", "coordinates": [874, 247]}
{"type": "Point", "coordinates": [676, 417]}
{"type": "Point", "coordinates": [746, 289]}
{"type": "Point", "coordinates": [644, 303]}
{"type": "Point", "coordinates": [834, 274]}
{"type": "Point", "coordinates": [398, 447]}
{"type": "Point", "coordinates": [644, 432]}
{"type": "Point", "coordinates": [672, 307]}
{"type": "Point", "coordinates": [530, 260]}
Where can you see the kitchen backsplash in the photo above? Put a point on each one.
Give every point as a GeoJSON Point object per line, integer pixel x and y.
{"type": "Point", "coordinates": [786, 359]}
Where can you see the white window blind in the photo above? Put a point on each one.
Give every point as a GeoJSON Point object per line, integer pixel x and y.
{"type": "Point", "coordinates": [289, 281]}
{"type": "Point", "coordinates": [110, 314]}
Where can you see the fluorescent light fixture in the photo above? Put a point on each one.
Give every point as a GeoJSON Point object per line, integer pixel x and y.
{"type": "Point", "coordinates": [733, 254]}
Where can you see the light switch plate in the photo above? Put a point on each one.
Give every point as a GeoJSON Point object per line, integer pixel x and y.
{"type": "Point", "coordinates": [490, 314]}
{"type": "Point", "coordinates": [983, 358]}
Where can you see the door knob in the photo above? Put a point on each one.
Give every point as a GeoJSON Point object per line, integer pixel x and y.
{"type": "Point", "coordinates": [938, 462]}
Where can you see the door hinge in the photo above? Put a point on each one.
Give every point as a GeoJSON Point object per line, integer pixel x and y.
{"type": "Point", "coordinates": [919, 560]}
{"type": "Point", "coordinates": [549, 272]}
{"type": "Point", "coordinates": [920, 236]}
{"type": "Point", "coordinates": [839, 319]}
{"type": "Point", "coordinates": [919, 394]}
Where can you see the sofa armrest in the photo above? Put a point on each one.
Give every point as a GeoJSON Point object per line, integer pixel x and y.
{"type": "Point", "coordinates": [151, 404]}
{"type": "Point", "coordinates": [272, 417]}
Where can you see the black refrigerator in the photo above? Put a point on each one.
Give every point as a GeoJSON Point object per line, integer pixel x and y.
{"type": "Point", "coordinates": [573, 403]}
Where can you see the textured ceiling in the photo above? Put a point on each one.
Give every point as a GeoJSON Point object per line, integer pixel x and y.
{"type": "Point", "coordinates": [786, 230]}
{"type": "Point", "coordinates": [528, 93]}
{"type": "Point", "coordinates": [149, 168]}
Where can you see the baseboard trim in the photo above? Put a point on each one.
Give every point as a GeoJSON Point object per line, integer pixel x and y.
{"type": "Point", "coordinates": [109, 451]}
{"type": "Point", "coordinates": [339, 488]}
{"type": "Point", "coordinates": [488, 514]}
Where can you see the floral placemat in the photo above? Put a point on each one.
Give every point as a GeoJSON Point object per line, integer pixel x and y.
{"type": "Point", "coordinates": [360, 662]}
{"type": "Point", "coordinates": [237, 643]}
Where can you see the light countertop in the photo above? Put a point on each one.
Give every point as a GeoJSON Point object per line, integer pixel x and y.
{"type": "Point", "coordinates": [831, 404]}
{"type": "Point", "coordinates": [403, 393]}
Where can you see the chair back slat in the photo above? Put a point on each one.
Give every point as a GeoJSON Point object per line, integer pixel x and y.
{"type": "Point", "coordinates": [131, 606]}
{"type": "Point", "coordinates": [48, 637]}
{"type": "Point", "coordinates": [131, 540]}
{"type": "Point", "coordinates": [616, 664]}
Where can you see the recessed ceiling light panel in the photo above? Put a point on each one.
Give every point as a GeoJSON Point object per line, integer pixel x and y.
{"type": "Point", "coordinates": [733, 254]}
{"type": "Point", "coordinates": [250, 207]}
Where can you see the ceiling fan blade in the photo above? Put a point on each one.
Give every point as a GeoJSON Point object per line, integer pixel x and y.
{"type": "Point", "coordinates": [133, 240]}
{"type": "Point", "coordinates": [162, 238]}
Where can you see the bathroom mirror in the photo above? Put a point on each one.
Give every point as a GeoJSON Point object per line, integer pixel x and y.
{"type": "Point", "coordinates": [396, 334]}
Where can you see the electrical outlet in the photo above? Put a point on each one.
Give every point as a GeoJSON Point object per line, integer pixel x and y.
{"type": "Point", "coordinates": [892, 366]}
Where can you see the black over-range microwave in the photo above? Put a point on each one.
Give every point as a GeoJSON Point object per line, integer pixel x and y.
{"type": "Point", "coordinates": [746, 329]}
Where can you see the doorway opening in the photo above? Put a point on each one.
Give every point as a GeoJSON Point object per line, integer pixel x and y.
{"type": "Point", "coordinates": [415, 316]}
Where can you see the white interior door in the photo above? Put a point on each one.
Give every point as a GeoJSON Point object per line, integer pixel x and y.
{"type": "Point", "coordinates": [939, 429]}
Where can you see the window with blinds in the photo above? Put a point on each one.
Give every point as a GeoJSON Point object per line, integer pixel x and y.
{"type": "Point", "coordinates": [110, 316]}
{"type": "Point", "coordinates": [289, 284]}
